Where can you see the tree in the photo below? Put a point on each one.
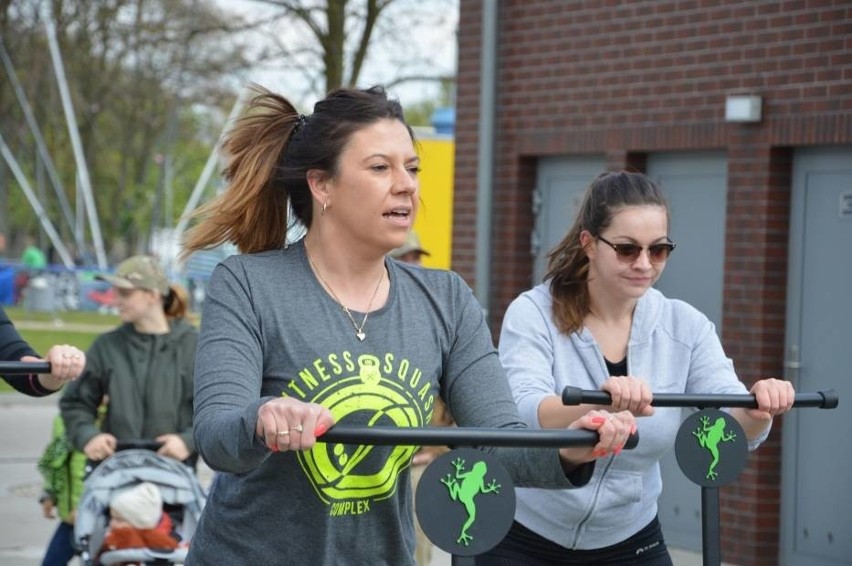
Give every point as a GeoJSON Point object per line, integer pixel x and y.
{"type": "Point", "coordinates": [146, 77]}
{"type": "Point", "coordinates": [334, 43]}
{"type": "Point", "coordinates": [152, 82]}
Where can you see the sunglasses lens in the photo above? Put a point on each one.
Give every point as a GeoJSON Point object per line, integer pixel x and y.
{"type": "Point", "coordinates": [628, 252]}
{"type": "Point", "coordinates": [660, 252]}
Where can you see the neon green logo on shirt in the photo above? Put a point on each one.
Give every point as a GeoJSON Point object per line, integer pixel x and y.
{"type": "Point", "coordinates": [346, 476]}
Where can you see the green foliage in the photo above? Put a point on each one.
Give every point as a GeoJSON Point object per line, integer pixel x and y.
{"type": "Point", "coordinates": [148, 78]}
{"type": "Point", "coordinates": [420, 114]}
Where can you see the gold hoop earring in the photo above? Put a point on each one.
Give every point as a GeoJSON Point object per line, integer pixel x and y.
{"type": "Point", "coordinates": [324, 204]}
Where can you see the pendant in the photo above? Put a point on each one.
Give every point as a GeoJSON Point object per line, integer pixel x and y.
{"type": "Point", "coordinates": [360, 335]}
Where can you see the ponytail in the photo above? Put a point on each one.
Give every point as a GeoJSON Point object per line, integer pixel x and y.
{"type": "Point", "coordinates": [252, 212]}
{"type": "Point", "coordinates": [176, 303]}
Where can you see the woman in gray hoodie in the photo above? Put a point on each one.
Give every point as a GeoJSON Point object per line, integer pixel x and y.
{"type": "Point", "coordinates": [596, 323]}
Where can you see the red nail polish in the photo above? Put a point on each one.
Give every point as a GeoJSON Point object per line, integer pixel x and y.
{"type": "Point", "coordinates": [598, 420]}
{"type": "Point", "coordinates": [320, 430]}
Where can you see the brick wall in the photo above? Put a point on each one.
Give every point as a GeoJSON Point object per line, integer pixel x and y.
{"type": "Point", "coordinates": [623, 79]}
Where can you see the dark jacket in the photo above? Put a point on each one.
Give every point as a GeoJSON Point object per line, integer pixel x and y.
{"type": "Point", "coordinates": [149, 380]}
{"type": "Point", "coordinates": [12, 349]}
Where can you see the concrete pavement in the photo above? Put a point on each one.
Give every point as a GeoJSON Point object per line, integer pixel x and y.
{"type": "Point", "coordinates": [25, 425]}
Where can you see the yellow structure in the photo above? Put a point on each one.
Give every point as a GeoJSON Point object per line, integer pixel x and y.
{"type": "Point", "coordinates": [434, 223]}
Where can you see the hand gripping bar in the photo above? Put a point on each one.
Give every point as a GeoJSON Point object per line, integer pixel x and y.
{"type": "Point", "coordinates": [427, 436]}
{"type": "Point", "coordinates": [24, 368]}
{"type": "Point", "coordinates": [822, 399]}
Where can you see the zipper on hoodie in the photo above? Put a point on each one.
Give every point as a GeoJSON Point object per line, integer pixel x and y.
{"type": "Point", "coordinates": [591, 510]}
{"type": "Point", "coordinates": [609, 463]}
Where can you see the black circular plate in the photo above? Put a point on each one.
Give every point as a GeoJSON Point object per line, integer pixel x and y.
{"type": "Point", "coordinates": [711, 448]}
{"type": "Point", "coordinates": [465, 502]}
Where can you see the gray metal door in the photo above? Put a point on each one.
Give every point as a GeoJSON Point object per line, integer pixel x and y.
{"type": "Point", "coordinates": [561, 183]}
{"type": "Point", "coordinates": [816, 488]}
{"type": "Point", "coordinates": [695, 185]}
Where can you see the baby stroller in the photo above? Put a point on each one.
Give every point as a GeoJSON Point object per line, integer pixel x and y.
{"type": "Point", "coordinates": [182, 494]}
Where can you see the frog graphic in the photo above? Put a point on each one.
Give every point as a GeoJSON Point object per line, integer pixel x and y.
{"type": "Point", "coordinates": [472, 484]}
{"type": "Point", "coordinates": [709, 436]}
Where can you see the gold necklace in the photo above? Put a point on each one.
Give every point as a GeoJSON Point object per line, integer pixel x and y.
{"type": "Point", "coordinates": [359, 330]}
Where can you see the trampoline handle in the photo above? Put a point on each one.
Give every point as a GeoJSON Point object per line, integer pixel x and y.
{"type": "Point", "coordinates": [822, 399]}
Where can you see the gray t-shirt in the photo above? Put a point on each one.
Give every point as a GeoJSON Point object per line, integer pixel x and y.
{"type": "Point", "coordinates": [270, 329]}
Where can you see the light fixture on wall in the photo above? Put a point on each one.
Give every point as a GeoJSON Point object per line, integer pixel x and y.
{"type": "Point", "coordinates": [743, 108]}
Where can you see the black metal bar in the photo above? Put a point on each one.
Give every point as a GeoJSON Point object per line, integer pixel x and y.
{"type": "Point", "coordinates": [24, 368]}
{"type": "Point", "coordinates": [822, 399]}
{"type": "Point", "coordinates": [460, 436]}
{"type": "Point", "coordinates": [138, 444]}
{"type": "Point", "coordinates": [711, 537]}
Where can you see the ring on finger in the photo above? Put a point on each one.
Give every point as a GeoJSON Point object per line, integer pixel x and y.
{"type": "Point", "coordinates": [283, 433]}
{"type": "Point", "coordinates": [298, 428]}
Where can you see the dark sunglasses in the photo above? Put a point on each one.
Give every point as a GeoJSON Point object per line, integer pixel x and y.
{"type": "Point", "coordinates": [628, 253]}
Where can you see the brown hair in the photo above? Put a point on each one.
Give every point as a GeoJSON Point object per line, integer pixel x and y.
{"type": "Point", "coordinates": [176, 303]}
{"type": "Point", "coordinates": [270, 151]}
{"type": "Point", "coordinates": [568, 264]}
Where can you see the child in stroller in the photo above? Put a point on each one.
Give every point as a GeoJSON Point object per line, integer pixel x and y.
{"type": "Point", "coordinates": [141, 484]}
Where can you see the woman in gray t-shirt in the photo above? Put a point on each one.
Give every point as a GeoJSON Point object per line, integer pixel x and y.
{"type": "Point", "coordinates": [295, 338]}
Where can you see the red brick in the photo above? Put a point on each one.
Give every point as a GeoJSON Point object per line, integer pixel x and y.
{"type": "Point", "coordinates": [623, 79]}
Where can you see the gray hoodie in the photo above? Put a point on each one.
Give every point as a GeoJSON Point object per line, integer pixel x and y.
{"type": "Point", "coordinates": [672, 346]}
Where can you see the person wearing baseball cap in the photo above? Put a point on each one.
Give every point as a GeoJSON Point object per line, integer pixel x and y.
{"type": "Point", "coordinates": [411, 251]}
{"type": "Point", "coordinates": [146, 366]}
{"type": "Point", "coordinates": [138, 272]}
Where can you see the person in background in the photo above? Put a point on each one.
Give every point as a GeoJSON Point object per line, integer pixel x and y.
{"type": "Point", "coordinates": [597, 323]}
{"type": "Point", "coordinates": [412, 252]}
{"type": "Point", "coordinates": [32, 258]}
{"type": "Point", "coordinates": [66, 362]}
{"type": "Point", "coordinates": [146, 366]}
{"type": "Point", "coordinates": [63, 470]}
{"type": "Point", "coordinates": [297, 336]}
{"type": "Point", "coordinates": [138, 520]}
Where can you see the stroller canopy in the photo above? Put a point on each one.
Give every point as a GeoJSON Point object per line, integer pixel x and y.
{"type": "Point", "coordinates": [177, 483]}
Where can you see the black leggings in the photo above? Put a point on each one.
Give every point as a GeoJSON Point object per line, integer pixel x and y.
{"type": "Point", "coordinates": [524, 547]}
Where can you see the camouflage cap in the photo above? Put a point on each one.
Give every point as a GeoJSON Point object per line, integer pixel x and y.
{"type": "Point", "coordinates": [412, 244]}
{"type": "Point", "coordinates": [138, 272]}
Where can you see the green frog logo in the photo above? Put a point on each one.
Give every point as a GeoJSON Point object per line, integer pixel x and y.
{"type": "Point", "coordinates": [464, 486]}
{"type": "Point", "coordinates": [711, 448]}
{"type": "Point", "coordinates": [709, 436]}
